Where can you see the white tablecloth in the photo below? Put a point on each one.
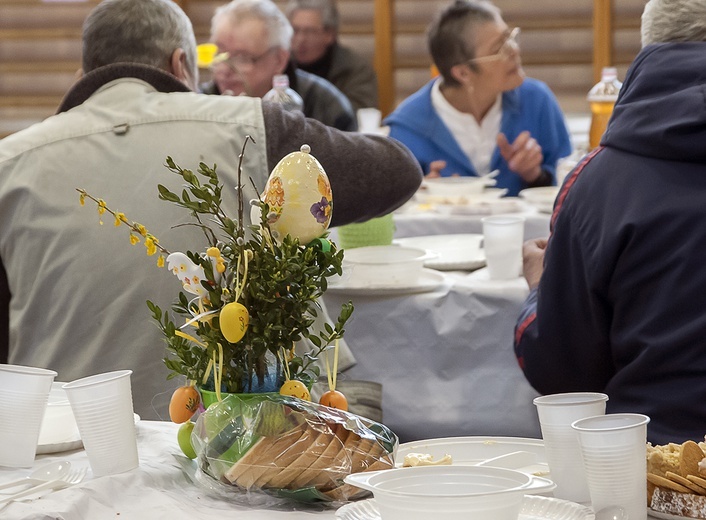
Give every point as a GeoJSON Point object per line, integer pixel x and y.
{"type": "Point", "coordinates": [158, 489]}
{"type": "Point", "coordinates": [445, 358]}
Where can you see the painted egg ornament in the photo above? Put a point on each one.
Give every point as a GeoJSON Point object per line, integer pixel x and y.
{"type": "Point", "coordinates": [234, 321]}
{"type": "Point", "coordinates": [298, 193]}
{"type": "Point", "coordinates": [295, 389]}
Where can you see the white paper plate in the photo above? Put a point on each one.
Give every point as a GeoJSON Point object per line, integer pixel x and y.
{"type": "Point", "coordinates": [472, 450]}
{"type": "Point", "coordinates": [428, 281]}
{"type": "Point", "coordinates": [533, 508]}
{"type": "Point", "coordinates": [665, 516]}
{"type": "Point", "coordinates": [462, 251]}
{"type": "Point", "coordinates": [74, 443]}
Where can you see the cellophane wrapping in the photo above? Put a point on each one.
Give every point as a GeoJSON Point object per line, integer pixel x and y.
{"type": "Point", "coordinates": [278, 448]}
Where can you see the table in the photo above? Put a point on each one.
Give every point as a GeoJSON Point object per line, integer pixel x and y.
{"type": "Point", "coordinates": [158, 489]}
{"type": "Point", "coordinates": [444, 358]}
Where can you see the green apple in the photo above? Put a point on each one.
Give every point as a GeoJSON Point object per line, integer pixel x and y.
{"type": "Point", "coordinates": [184, 439]}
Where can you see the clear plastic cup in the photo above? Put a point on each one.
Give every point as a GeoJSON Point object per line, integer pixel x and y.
{"type": "Point", "coordinates": [24, 392]}
{"type": "Point", "coordinates": [556, 414]}
{"type": "Point", "coordinates": [502, 242]}
{"type": "Point", "coordinates": [613, 452]}
{"type": "Point", "coordinates": [369, 120]}
{"type": "Point", "coordinates": [102, 405]}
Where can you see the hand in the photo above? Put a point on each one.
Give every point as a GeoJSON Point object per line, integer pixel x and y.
{"type": "Point", "coordinates": [523, 157]}
{"type": "Point", "coordinates": [435, 168]}
{"type": "Point", "coordinates": [533, 260]}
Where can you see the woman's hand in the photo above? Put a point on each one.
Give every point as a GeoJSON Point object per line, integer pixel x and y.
{"type": "Point", "coordinates": [523, 157]}
{"type": "Point", "coordinates": [533, 260]}
{"type": "Point", "coordinates": [435, 168]}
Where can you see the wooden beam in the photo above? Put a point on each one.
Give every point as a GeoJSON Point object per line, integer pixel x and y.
{"type": "Point", "coordinates": [602, 36]}
{"type": "Point", "coordinates": [384, 60]}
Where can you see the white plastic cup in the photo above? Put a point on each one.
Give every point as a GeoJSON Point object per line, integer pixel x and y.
{"type": "Point", "coordinates": [102, 405]}
{"type": "Point", "coordinates": [369, 120]}
{"type": "Point", "coordinates": [556, 414]}
{"type": "Point", "coordinates": [502, 242]}
{"type": "Point", "coordinates": [613, 452]}
{"type": "Point", "coordinates": [24, 392]}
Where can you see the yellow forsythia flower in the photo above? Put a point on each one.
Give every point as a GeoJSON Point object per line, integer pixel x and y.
{"type": "Point", "coordinates": [119, 218]}
{"type": "Point", "coordinates": [160, 261]}
{"type": "Point", "coordinates": [101, 206]}
{"type": "Point", "coordinates": [134, 239]}
{"type": "Point", "coordinates": [82, 198]}
{"type": "Point", "coordinates": [150, 245]}
{"type": "Point", "coordinates": [141, 229]}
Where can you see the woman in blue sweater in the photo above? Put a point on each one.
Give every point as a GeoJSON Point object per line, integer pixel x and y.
{"type": "Point", "coordinates": [481, 113]}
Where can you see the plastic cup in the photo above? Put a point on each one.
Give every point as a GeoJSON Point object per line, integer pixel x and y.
{"type": "Point", "coordinates": [102, 405]}
{"type": "Point", "coordinates": [502, 242]}
{"type": "Point", "coordinates": [24, 392]}
{"type": "Point", "coordinates": [369, 120]}
{"type": "Point", "coordinates": [613, 452]}
{"type": "Point", "coordinates": [556, 414]}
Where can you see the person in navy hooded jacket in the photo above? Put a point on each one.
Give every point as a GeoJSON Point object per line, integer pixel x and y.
{"type": "Point", "coordinates": [618, 299]}
{"type": "Point", "coordinates": [481, 113]}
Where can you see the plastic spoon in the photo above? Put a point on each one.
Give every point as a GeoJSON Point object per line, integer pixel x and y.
{"type": "Point", "coordinates": [52, 471]}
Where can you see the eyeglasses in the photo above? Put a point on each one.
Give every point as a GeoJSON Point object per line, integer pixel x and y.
{"type": "Point", "coordinates": [308, 32]}
{"type": "Point", "coordinates": [240, 60]}
{"type": "Point", "coordinates": [508, 47]}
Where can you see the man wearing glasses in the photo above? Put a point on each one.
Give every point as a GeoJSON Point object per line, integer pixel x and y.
{"type": "Point", "coordinates": [482, 114]}
{"type": "Point", "coordinates": [254, 38]}
{"type": "Point", "coordinates": [316, 49]}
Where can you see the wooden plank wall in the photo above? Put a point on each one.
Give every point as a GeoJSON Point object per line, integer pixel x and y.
{"type": "Point", "coordinates": [40, 46]}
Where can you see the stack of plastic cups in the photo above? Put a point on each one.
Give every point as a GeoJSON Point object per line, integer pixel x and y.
{"type": "Point", "coordinates": [613, 451]}
{"type": "Point", "coordinates": [102, 405]}
{"type": "Point", "coordinates": [556, 414]}
{"type": "Point", "coordinates": [24, 392]}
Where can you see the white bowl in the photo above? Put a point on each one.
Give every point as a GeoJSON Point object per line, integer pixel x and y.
{"type": "Point", "coordinates": [456, 186]}
{"type": "Point", "coordinates": [449, 492]}
{"type": "Point", "coordinates": [383, 265]}
{"type": "Point", "coordinates": [59, 423]}
{"type": "Point", "coordinates": [542, 198]}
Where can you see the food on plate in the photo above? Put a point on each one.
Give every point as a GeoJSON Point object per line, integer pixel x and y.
{"type": "Point", "coordinates": [676, 479]}
{"type": "Point", "coordinates": [425, 459]}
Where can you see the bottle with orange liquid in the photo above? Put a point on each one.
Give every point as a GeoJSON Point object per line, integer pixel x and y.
{"type": "Point", "coordinates": [602, 98]}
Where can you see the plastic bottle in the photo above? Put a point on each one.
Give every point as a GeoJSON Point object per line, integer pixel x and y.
{"type": "Point", "coordinates": [282, 94]}
{"type": "Point", "coordinates": [602, 98]}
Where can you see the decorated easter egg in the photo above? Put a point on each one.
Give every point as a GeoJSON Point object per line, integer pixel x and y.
{"type": "Point", "coordinates": [234, 321]}
{"type": "Point", "coordinates": [299, 196]}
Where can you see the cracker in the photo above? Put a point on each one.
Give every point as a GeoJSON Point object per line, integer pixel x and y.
{"type": "Point", "coordinates": [665, 483]}
{"type": "Point", "coordinates": [689, 459]}
{"type": "Point", "coordinates": [684, 482]}
{"type": "Point", "coordinates": [701, 482]}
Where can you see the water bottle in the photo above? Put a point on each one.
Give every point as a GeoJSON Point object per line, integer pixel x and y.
{"type": "Point", "coordinates": [602, 98]}
{"type": "Point", "coordinates": [283, 95]}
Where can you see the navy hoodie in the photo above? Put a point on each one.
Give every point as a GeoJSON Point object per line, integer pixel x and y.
{"type": "Point", "coordinates": [621, 306]}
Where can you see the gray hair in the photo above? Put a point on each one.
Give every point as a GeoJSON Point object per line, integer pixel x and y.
{"type": "Point", "coordinates": [448, 35]}
{"type": "Point", "coordinates": [279, 30]}
{"type": "Point", "coordinates": [137, 31]}
{"type": "Point", "coordinates": [329, 12]}
{"type": "Point", "coordinates": [674, 21]}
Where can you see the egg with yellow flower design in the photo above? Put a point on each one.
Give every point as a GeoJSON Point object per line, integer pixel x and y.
{"type": "Point", "coordinates": [299, 196]}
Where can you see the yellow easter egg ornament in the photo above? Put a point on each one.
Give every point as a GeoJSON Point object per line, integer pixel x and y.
{"type": "Point", "coordinates": [295, 389]}
{"type": "Point", "coordinates": [299, 196]}
{"type": "Point", "coordinates": [234, 321]}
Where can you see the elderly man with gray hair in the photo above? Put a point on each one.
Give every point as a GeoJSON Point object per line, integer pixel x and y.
{"type": "Point", "coordinates": [256, 38]}
{"type": "Point", "coordinates": [316, 49]}
{"type": "Point", "coordinates": [618, 299]}
{"type": "Point", "coordinates": [74, 293]}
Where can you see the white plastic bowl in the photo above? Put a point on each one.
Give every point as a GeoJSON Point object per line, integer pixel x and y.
{"type": "Point", "coordinates": [542, 198]}
{"type": "Point", "coordinates": [383, 265]}
{"type": "Point", "coordinates": [457, 186]}
{"type": "Point", "coordinates": [449, 492]}
{"type": "Point", "coordinates": [58, 424]}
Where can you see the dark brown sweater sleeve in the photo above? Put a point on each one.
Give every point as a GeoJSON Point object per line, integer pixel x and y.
{"type": "Point", "coordinates": [370, 175]}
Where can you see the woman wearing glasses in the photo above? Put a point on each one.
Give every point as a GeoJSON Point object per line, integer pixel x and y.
{"type": "Point", "coordinates": [481, 113]}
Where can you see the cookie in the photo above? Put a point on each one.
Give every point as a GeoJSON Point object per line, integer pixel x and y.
{"type": "Point", "coordinates": [665, 483]}
{"type": "Point", "coordinates": [684, 482]}
{"type": "Point", "coordinates": [689, 459]}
